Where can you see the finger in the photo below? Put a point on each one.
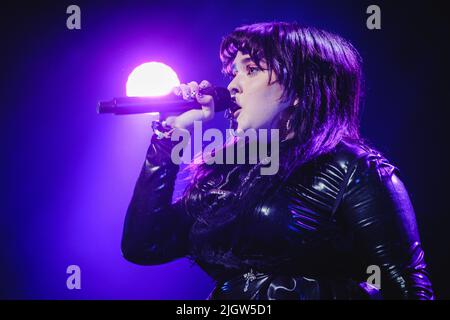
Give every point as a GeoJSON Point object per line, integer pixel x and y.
{"type": "Point", "coordinates": [193, 86]}
{"type": "Point", "coordinates": [177, 91]}
{"type": "Point", "coordinates": [206, 101]}
{"type": "Point", "coordinates": [186, 91]}
{"type": "Point", "coordinates": [205, 84]}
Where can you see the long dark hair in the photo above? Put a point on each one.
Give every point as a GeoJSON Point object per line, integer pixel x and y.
{"type": "Point", "coordinates": [320, 68]}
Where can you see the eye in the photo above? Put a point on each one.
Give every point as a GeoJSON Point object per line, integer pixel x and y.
{"type": "Point", "coordinates": [252, 70]}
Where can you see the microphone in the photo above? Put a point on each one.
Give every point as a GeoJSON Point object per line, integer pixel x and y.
{"type": "Point", "coordinates": [167, 103]}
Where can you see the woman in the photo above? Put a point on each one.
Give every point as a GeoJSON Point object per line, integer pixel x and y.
{"type": "Point", "coordinates": [334, 214]}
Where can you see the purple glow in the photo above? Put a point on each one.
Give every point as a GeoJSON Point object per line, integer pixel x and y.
{"type": "Point", "coordinates": [151, 79]}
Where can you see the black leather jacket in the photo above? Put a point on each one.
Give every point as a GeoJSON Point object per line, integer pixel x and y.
{"type": "Point", "coordinates": [314, 237]}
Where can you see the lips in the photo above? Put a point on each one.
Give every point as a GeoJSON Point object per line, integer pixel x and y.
{"type": "Point", "coordinates": [233, 109]}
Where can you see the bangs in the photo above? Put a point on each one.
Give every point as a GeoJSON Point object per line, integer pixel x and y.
{"type": "Point", "coordinates": [240, 40]}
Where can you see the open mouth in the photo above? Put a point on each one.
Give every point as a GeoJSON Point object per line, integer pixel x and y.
{"type": "Point", "coordinates": [233, 110]}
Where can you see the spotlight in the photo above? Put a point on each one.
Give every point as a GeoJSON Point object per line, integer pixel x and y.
{"type": "Point", "coordinates": [151, 79]}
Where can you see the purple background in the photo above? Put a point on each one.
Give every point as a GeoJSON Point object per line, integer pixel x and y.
{"type": "Point", "coordinates": [68, 173]}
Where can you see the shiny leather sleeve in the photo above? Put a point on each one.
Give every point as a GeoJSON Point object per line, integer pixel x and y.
{"type": "Point", "coordinates": [377, 210]}
{"type": "Point", "coordinates": [155, 230]}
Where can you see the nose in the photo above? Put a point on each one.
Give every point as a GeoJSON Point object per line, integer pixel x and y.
{"type": "Point", "coordinates": [233, 87]}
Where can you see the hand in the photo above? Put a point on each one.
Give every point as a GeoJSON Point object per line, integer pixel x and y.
{"type": "Point", "coordinates": [190, 91]}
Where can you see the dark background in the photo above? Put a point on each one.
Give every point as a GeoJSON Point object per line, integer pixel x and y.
{"type": "Point", "coordinates": [68, 173]}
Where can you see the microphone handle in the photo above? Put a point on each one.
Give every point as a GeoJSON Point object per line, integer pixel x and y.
{"type": "Point", "coordinates": [135, 105]}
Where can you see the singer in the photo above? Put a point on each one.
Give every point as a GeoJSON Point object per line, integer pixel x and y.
{"type": "Point", "coordinates": [335, 209]}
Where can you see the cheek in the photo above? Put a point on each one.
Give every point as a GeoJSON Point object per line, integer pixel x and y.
{"type": "Point", "coordinates": [261, 102]}
{"type": "Point", "coordinates": [259, 89]}
{"type": "Point", "coordinates": [264, 101]}
{"type": "Point", "coordinates": [273, 93]}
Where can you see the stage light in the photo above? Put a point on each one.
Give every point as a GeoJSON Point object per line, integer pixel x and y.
{"type": "Point", "coordinates": [151, 79]}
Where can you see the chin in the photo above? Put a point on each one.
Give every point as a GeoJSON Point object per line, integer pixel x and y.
{"type": "Point", "coordinates": [243, 127]}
